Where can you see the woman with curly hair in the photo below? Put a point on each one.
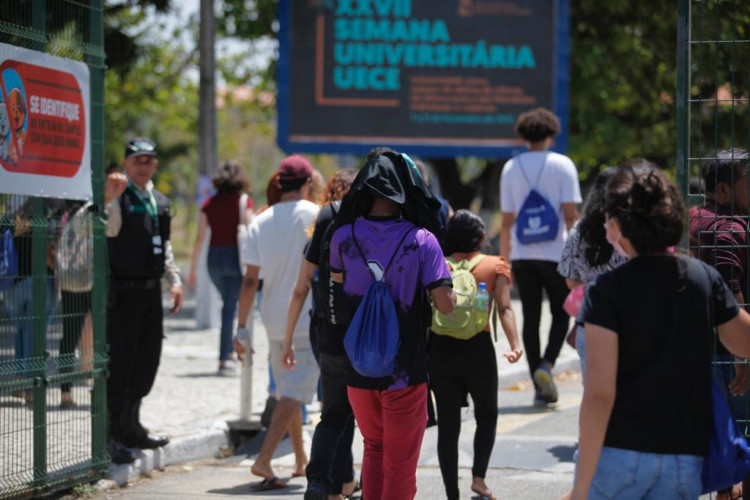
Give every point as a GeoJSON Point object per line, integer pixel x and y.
{"type": "Point", "coordinates": [646, 413]}
{"type": "Point", "coordinates": [221, 212]}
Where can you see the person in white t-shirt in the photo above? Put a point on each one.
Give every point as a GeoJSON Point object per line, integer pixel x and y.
{"type": "Point", "coordinates": [534, 265]}
{"type": "Point", "coordinates": [276, 240]}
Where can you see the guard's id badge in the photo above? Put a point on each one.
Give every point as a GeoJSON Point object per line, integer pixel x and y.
{"type": "Point", "coordinates": [156, 240]}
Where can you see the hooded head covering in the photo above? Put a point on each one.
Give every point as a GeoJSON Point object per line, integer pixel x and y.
{"type": "Point", "coordinates": [393, 176]}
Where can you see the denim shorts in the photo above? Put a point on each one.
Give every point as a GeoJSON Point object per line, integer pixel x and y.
{"type": "Point", "coordinates": [629, 475]}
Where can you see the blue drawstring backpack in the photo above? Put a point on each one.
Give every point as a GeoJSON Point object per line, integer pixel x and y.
{"type": "Point", "coordinates": [373, 337]}
{"type": "Point", "coordinates": [8, 260]}
{"type": "Point", "coordinates": [728, 459]}
{"type": "Point", "coordinates": [537, 220]}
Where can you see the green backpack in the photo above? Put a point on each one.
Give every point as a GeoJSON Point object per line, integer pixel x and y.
{"type": "Point", "coordinates": [466, 320]}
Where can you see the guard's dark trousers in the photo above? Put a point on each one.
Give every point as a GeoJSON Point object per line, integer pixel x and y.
{"type": "Point", "coordinates": [134, 334]}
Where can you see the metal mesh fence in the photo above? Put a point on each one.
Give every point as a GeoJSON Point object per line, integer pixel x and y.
{"type": "Point", "coordinates": [713, 131]}
{"type": "Point", "coordinates": [52, 346]}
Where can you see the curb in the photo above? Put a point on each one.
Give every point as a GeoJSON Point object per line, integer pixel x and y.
{"type": "Point", "coordinates": [198, 446]}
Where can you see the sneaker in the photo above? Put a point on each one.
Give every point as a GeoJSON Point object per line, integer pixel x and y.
{"type": "Point", "coordinates": [547, 390]}
{"type": "Point", "coordinates": [226, 369]}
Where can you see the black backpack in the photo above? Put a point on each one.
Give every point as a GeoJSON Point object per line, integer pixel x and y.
{"type": "Point", "coordinates": [327, 294]}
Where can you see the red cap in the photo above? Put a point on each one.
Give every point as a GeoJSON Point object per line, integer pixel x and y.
{"type": "Point", "coordinates": [294, 167]}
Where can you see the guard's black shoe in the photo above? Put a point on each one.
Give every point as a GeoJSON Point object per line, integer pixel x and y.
{"type": "Point", "coordinates": [119, 454]}
{"type": "Point", "coordinates": [145, 441]}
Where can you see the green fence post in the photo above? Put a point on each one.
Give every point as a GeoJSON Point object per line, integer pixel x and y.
{"type": "Point", "coordinates": [39, 304]}
{"type": "Point", "coordinates": [39, 342]}
{"type": "Point", "coordinates": [683, 102]}
{"type": "Point", "coordinates": [99, 292]}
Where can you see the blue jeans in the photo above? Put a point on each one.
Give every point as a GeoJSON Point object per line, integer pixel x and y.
{"type": "Point", "coordinates": [18, 302]}
{"type": "Point", "coordinates": [226, 274]}
{"type": "Point", "coordinates": [630, 475]}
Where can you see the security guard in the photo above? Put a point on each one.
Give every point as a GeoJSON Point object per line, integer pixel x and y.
{"type": "Point", "coordinates": [140, 254]}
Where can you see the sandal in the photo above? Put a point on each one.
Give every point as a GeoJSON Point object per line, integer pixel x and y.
{"type": "Point", "coordinates": [487, 495]}
{"type": "Point", "coordinates": [273, 483]}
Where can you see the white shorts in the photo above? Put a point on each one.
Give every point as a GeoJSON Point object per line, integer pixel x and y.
{"type": "Point", "coordinates": [300, 384]}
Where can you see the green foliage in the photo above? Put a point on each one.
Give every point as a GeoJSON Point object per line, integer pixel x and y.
{"type": "Point", "coordinates": [623, 78]}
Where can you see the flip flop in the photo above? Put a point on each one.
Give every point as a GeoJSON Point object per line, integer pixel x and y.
{"type": "Point", "coordinates": [482, 496]}
{"type": "Point", "coordinates": [298, 474]}
{"type": "Point", "coordinates": [273, 483]}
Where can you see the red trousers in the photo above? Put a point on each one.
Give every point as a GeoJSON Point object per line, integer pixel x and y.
{"type": "Point", "coordinates": [392, 424]}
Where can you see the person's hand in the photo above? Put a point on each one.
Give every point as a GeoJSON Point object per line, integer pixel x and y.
{"type": "Point", "coordinates": [513, 355]}
{"type": "Point", "coordinates": [741, 383]}
{"type": "Point", "coordinates": [239, 347]}
{"type": "Point", "coordinates": [176, 292]}
{"type": "Point", "coordinates": [115, 185]}
{"type": "Point", "coordinates": [287, 357]}
{"type": "Point", "coordinates": [21, 226]}
{"type": "Point", "coordinates": [191, 278]}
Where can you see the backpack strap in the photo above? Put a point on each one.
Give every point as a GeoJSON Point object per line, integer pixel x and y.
{"type": "Point", "coordinates": [364, 259]}
{"type": "Point", "coordinates": [538, 176]}
{"type": "Point", "coordinates": [476, 260]}
{"type": "Point", "coordinates": [470, 263]}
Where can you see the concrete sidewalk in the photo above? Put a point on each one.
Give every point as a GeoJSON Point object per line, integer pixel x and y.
{"type": "Point", "coordinates": [191, 404]}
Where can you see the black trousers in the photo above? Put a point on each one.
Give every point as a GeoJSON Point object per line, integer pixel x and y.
{"type": "Point", "coordinates": [532, 277]}
{"type": "Point", "coordinates": [134, 332]}
{"type": "Point", "coordinates": [331, 460]}
{"type": "Point", "coordinates": [75, 306]}
{"type": "Point", "coordinates": [460, 367]}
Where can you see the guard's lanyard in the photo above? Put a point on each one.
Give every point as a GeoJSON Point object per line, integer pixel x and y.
{"type": "Point", "coordinates": [151, 209]}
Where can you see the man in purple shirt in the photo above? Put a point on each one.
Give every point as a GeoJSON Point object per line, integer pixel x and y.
{"type": "Point", "coordinates": [719, 237]}
{"type": "Point", "coordinates": [392, 410]}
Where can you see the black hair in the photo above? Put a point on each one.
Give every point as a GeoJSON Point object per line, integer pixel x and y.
{"type": "Point", "coordinates": [537, 125]}
{"type": "Point", "coordinates": [593, 236]}
{"type": "Point", "coordinates": [464, 233]}
{"type": "Point", "coordinates": [287, 186]}
{"type": "Point", "coordinates": [647, 206]}
{"type": "Point", "coordinates": [230, 178]}
{"type": "Point", "coordinates": [727, 166]}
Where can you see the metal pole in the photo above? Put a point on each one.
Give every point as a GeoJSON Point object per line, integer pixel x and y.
{"type": "Point", "coordinates": [207, 299]}
{"type": "Point", "coordinates": [683, 104]}
{"type": "Point", "coordinates": [38, 359]}
{"type": "Point", "coordinates": [100, 459]}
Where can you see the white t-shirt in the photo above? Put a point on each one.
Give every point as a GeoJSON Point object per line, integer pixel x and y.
{"type": "Point", "coordinates": [276, 241]}
{"type": "Point", "coordinates": [558, 183]}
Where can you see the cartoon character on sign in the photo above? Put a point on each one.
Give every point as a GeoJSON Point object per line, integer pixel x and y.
{"type": "Point", "coordinates": [18, 124]}
{"type": "Point", "coordinates": [4, 132]}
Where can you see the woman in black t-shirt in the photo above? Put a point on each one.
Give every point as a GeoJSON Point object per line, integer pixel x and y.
{"type": "Point", "coordinates": [646, 410]}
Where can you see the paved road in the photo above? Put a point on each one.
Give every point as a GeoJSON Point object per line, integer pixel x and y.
{"type": "Point", "coordinates": [532, 458]}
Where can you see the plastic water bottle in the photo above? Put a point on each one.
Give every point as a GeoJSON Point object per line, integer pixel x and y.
{"type": "Point", "coordinates": [483, 298]}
